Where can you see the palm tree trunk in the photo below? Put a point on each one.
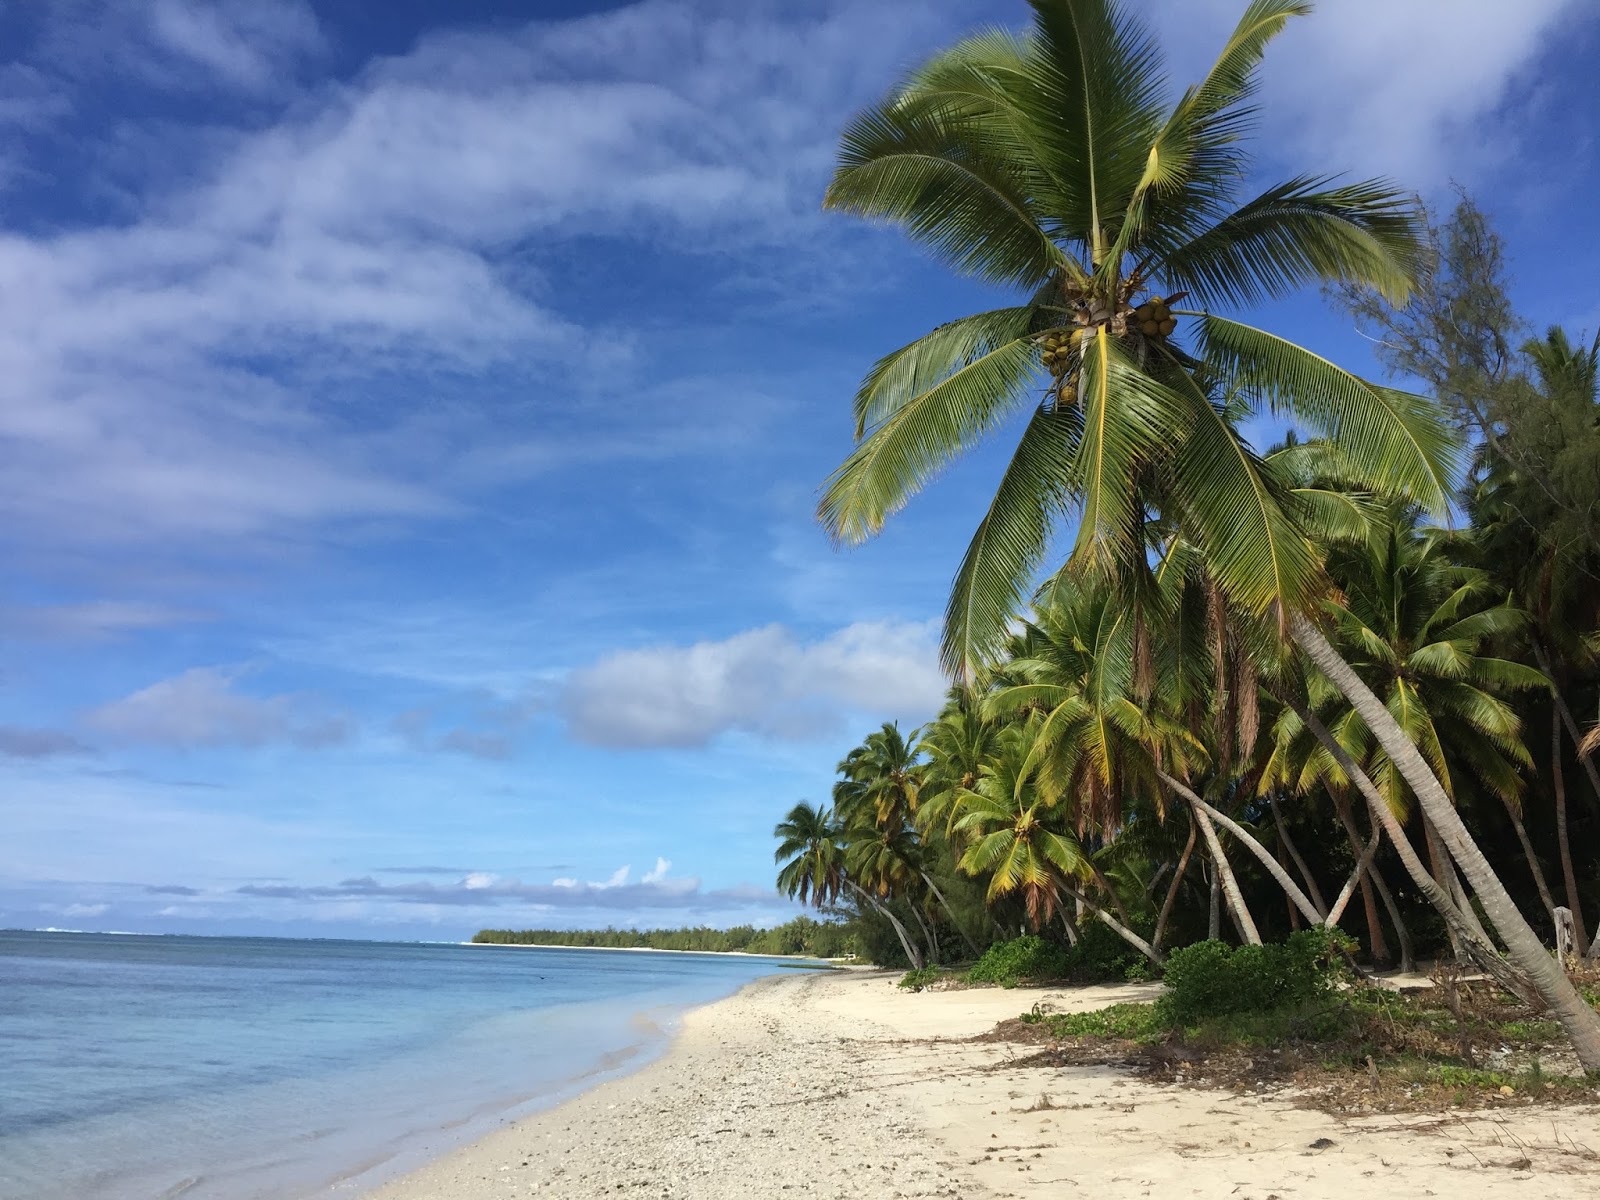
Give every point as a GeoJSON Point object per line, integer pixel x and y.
{"type": "Point", "coordinates": [1580, 939]}
{"type": "Point", "coordinates": [1527, 852]}
{"type": "Point", "coordinates": [1372, 881]}
{"type": "Point", "coordinates": [1214, 913]}
{"type": "Point", "coordinates": [913, 955]}
{"type": "Point", "coordinates": [1294, 852]}
{"type": "Point", "coordinates": [1349, 889]}
{"type": "Point", "coordinates": [1219, 861]}
{"type": "Point", "coordinates": [1177, 881]}
{"type": "Point", "coordinates": [1577, 1017]}
{"type": "Point", "coordinates": [1573, 731]}
{"type": "Point", "coordinates": [1482, 953]}
{"type": "Point", "coordinates": [1273, 866]}
{"type": "Point", "coordinates": [1070, 926]}
{"type": "Point", "coordinates": [927, 933]}
{"type": "Point", "coordinates": [972, 946]}
{"type": "Point", "coordinates": [1122, 931]}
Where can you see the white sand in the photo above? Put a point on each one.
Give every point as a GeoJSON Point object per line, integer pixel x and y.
{"type": "Point", "coordinates": [841, 1086]}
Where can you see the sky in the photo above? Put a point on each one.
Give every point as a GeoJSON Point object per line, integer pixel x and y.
{"type": "Point", "coordinates": [411, 418]}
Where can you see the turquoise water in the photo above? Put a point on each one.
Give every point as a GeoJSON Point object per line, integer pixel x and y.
{"type": "Point", "coordinates": [233, 1068]}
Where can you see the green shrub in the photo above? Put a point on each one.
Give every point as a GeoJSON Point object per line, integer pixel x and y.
{"type": "Point", "coordinates": [1135, 1022]}
{"type": "Point", "coordinates": [1210, 979]}
{"type": "Point", "coordinates": [917, 980]}
{"type": "Point", "coordinates": [1023, 958]}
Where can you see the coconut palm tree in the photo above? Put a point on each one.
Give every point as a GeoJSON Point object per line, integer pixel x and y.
{"type": "Point", "coordinates": [1050, 163]}
{"type": "Point", "coordinates": [812, 853]}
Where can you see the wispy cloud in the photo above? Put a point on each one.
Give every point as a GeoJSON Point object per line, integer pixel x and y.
{"type": "Point", "coordinates": [18, 742]}
{"type": "Point", "coordinates": [203, 708]}
{"type": "Point", "coordinates": [764, 681]}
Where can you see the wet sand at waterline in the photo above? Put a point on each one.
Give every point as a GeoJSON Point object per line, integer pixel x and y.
{"type": "Point", "coordinates": [841, 1086]}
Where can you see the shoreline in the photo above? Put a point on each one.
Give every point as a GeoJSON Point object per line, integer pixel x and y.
{"type": "Point", "coordinates": [795, 958]}
{"type": "Point", "coordinates": [838, 1085]}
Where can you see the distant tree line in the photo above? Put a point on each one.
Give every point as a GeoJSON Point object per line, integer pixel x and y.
{"type": "Point", "coordinates": [801, 937]}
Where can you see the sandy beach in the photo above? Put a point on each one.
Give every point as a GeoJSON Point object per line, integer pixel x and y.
{"type": "Point", "coordinates": [840, 1086]}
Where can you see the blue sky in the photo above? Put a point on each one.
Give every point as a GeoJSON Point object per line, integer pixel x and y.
{"type": "Point", "coordinates": [411, 416]}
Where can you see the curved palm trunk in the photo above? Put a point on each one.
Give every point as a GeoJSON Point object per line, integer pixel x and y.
{"type": "Point", "coordinates": [1219, 863]}
{"type": "Point", "coordinates": [913, 955]}
{"type": "Point", "coordinates": [1581, 1021]}
{"type": "Point", "coordinates": [1121, 930]}
{"type": "Point", "coordinates": [1294, 852]}
{"type": "Point", "coordinates": [1349, 889]}
{"type": "Point", "coordinates": [972, 946]}
{"type": "Point", "coordinates": [1372, 882]}
{"type": "Point", "coordinates": [1177, 882]}
{"type": "Point", "coordinates": [1214, 912]}
{"type": "Point", "coordinates": [1273, 866]}
{"type": "Point", "coordinates": [1484, 955]}
{"type": "Point", "coordinates": [1580, 939]}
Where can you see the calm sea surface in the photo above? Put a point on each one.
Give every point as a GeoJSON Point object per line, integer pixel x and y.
{"type": "Point", "coordinates": [233, 1068]}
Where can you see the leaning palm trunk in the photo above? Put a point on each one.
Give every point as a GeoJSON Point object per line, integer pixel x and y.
{"type": "Point", "coordinates": [927, 933]}
{"type": "Point", "coordinates": [1479, 951]}
{"type": "Point", "coordinates": [1577, 1017]}
{"type": "Point", "coordinates": [913, 955]}
{"type": "Point", "coordinates": [1349, 889]}
{"type": "Point", "coordinates": [1177, 882]}
{"type": "Point", "coordinates": [1224, 873]}
{"type": "Point", "coordinates": [1373, 881]}
{"type": "Point", "coordinates": [1580, 940]}
{"type": "Point", "coordinates": [1294, 852]}
{"type": "Point", "coordinates": [1121, 930]}
{"type": "Point", "coordinates": [972, 947]}
{"type": "Point", "coordinates": [1273, 866]}
{"type": "Point", "coordinates": [1532, 859]}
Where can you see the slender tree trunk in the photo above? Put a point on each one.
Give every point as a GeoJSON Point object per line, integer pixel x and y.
{"type": "Point", "coordinates": [913, 955]}
{"type": "Point", "coordinates": [1371, 881]}
{"type": "Point", "coordinates": [1294, 913]}
{"type": "Point", "coordinates": [1362, 863]}
{"type": "Point", "coordinates": [1121, 930]}
{"type": "Point", "coordinates": [1214, 914]}
{"type": "Point", "coordinates": [1105, 886]}
{"type": "Point", "coordinates": [1581, 1021]}
{"type": "Point", "coordinates": [1533, 860]}
{"type": "Point", "coordinates": [1571, 724]}
{"type": "Point", "coordinates": [1580, 938]}
{"type": "Point", "coordinates": [1069, 925]}
{"type": "Point", "coordinates": [1248, 933]}
{"type": "Point", "coordinates": [1294, 852]}
{"type": "Point", "coordinates": [927, 933]}
{"type": "Point", "coordinates": [1482, 953]}
{"type": "Point", "coordinates": [1177, 882]}
{"type": "Point", "coordinates": [1274, 868]}
{"type": "Point", "coordinates": [972, 947]}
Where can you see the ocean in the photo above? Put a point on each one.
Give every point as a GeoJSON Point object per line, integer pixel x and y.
{"type": "Point", "coordinates": [136, 1068]}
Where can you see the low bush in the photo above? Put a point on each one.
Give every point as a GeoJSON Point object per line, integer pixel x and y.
{"type": "Point", "coordinates": [1211, 979]}
{"type": "Point", "coordinates": [1020, 959]}
{"type": "Point", "coordinates": [1102, 956]}
{"type": "Point", "coordinates": [1135, 1022]}
{"type": "Point", "coordinates": [915, 981]}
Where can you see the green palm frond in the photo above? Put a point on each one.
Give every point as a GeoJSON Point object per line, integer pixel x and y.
{"type": "Point", "coordinates": [1394, 439]}
{"type": "Point", "coordinates": [922, 436]}
{"type": "Point", "coordinates": [993, 580]}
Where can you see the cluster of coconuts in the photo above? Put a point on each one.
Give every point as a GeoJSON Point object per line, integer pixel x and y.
{"type": "Point", "coordinates": [1055, 351]}
{"type": "Point", "coordinates": [1154, 319]}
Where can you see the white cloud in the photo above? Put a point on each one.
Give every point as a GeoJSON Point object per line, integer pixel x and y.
{"type": "Point", "coordinates": [148, 390]}
{"type": "Point", "coordinates": [763, 681]}
{"type": "Point", "coordinates": [202, 708]}
{"type": "Point", "coordinates": [91, 620]}
{"type": "Point", "coordinates": [1405, 88]}
{"type": "Point", "coordinates": [18, 742]}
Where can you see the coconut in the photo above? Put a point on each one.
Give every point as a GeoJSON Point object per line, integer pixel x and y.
{"type": "Point", "coordinates": [1149, 328]}
{"type": "Point", "coordinates": [1168, 326]}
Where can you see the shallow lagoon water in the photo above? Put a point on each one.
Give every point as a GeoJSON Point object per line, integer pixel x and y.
{"type": "Point", "coordinates": [233, 1068]}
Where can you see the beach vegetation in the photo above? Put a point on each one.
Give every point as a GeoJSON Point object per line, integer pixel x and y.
{"type": "Point", "coordinates": [1224, 674]}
